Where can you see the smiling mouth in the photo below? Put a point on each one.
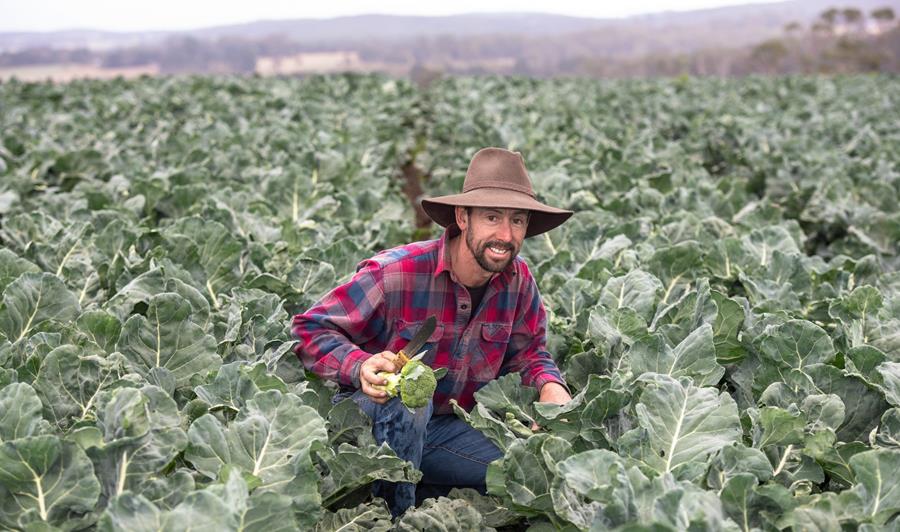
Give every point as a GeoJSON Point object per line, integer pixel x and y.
{"type": "Point", "coordinates": [499, 252]}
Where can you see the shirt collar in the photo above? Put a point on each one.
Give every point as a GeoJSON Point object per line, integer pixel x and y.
{"type": "Point", "coordinates": [443, 261]}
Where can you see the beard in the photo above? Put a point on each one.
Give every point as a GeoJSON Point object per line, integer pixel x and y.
{"type": "Point", "coordinates": [478, 251]}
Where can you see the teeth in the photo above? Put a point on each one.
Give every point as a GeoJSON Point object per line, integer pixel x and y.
{"type": "Point", "coordinates": [499, 251]}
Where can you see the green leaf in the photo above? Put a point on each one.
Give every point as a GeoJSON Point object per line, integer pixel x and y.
{"type": "Point", "coordinates": [778, 427]}
{"type": "Point", "coordinates": [442, 515]}
{"type": "Point", "coordinates": [797, 344]}
{"type": "Point", "coordinates": [347, 423]}
{"type": "Point", "coordinates": [676, 264]}
{"type": "Point", "coordinates": [131, 512]}
{"type": "Point", "coordinates": [833, 456]}
{"type": "Point", "coordinates": [890, 381]}
{"type": "Point", "coordinates": [728, 258]}
{"type": "Point", "coordinates": [200, 510]}
{"type": "Point", "coordinates": [506, 394]}
{"type": "Point", "coordinates": [141, 434]}
{"type": "Point", "coordinates": [20, 413]}
{"type": "Point", "coordinates": [370, 517]}
{"type": "Point", "coordinates": [763, 243]}
{"type": "Point", "coordinates": [212, 247]}
{"type": "Point", "coordinates": [738, 499]}
{"type": "Point", "coordinates": [863, 404]}
{"type": "Point", "coordinates": [352, 467]}
{"type": "Point", "coordinates": [70, 381]}
{"type": "Point", "coordinates": [820, 514]}
{"type": "Point", "coordinates": [694, 357]}
{"type": "Point", "coordinates": [823, 410]}
{"type": "Point", "coordinates": [666, 504]}
{"type": "Point", "coordinates": [157, 281]}
{"type": "Point", "coordinates": [270, 433]}
{"type": "Point", "coordinates": [12, 266]}
{"type": "Point", "coordinates": [615, 329]}
{"type": "Point", "coordinates": [167, 338]}
{"type": "Point", "coordinates": [267, 512]}
{"type": "Point", "coordinates": [236, 383]}
{"type": "Point", "coordinates": [726, 328]}
{"type": "Point", "coordinates": [483, 420]}
{"type": "Point", "coordinates": [598, 475]}
{"type": "Point", "coordinates": [737, 459]}
{"type": "Point", "coordinates": [878, 486]}
{"type": "Point", "coordinates": [637, 290]}
{"type": "Point", "coordinates": [586, 413]}
{"type": "Point", "coordinates": [684, 425]}
{"type": "Point", "coordinates": [491, 508]}
{"type": "Point", "coordinates": [101, 328]}
{"type": "Point", "coordinates": [863, 302]}
{"type": "Point", "coordinates": [32, 300]}
{"type": "Point", "coordinates": [888, 434]}
{"type": "Point", "coordinates": [47, 480]}
{"type": "Point", "coordinates": [527, 479]}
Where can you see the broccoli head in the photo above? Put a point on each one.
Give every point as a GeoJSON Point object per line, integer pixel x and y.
{"type": "Point", "coordinates": [415, 384]}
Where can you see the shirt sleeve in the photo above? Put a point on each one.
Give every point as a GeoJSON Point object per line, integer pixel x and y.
{"type": "Point", "coordinates": [331, 332]}
{"type": "Point", "coordinates": [527, 351]}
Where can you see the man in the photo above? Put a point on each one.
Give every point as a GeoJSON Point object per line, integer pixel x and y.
{"type": "Point", "coordinates": [490, 321]}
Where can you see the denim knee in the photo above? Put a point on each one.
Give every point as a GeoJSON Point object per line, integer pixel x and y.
{"type": "Point", "coordinates": [394, 410]}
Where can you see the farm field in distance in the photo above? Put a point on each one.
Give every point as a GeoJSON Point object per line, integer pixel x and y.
{"type": "Point", "coordinates": [725, 303]}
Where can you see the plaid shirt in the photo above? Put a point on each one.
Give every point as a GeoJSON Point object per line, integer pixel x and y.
{"type": "Point", "coordinates": [394, 292]}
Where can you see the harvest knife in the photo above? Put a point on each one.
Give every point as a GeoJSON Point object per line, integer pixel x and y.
{"type": "Point", "coordinates": [418, 340]}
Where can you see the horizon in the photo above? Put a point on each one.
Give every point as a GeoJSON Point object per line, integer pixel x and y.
{"type": "Point", "coordinates": [33, 17]}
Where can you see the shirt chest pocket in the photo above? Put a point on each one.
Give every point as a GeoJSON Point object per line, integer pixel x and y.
{"type": "Point", "coordinates": [406, 330]}
{"type": "Point", "coordinates": [496, 332]}
{"type": "Point", "coordinates": [493, 342]}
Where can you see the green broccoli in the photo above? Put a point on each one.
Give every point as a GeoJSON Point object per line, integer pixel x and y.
{"type": "Point", "coordinates": [415, 384]}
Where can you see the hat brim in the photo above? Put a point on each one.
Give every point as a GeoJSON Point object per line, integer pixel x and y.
{"type": "Point", "coordinates": [542, 219]}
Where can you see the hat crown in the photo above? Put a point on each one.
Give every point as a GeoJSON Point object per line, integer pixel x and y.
{"type": "Point", "coordinates": [498, 168]}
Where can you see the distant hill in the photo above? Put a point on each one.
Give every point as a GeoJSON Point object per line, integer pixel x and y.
{"type": "Point", "coordinates": [736, 25]}
{"type": "Point", "coordinates": [708, 41]}
{"type": "Point", "coordinates": [333, 30]}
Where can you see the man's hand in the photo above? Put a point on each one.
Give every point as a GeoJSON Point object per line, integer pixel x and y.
{"type": "Point", "coordinates": [552, 392]}
{"type": "Point", "coordinates": [383, 361]}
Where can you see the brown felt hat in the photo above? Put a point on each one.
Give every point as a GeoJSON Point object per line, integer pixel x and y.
{"type": "Point", "coordinates": [497, 178]}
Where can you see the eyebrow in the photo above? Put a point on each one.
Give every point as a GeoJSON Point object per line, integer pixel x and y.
{"type": "Point", "coordinates": [514, 213]}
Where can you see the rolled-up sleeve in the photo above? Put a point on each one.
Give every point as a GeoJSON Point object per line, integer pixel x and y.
{"type": "Point", "coordinates": [527, 351]}
{"type": "Point", "coordinates": [331, 332]}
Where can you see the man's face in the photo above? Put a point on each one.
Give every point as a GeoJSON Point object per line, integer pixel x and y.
{"type": "Point", "coordinates": [494, 236]}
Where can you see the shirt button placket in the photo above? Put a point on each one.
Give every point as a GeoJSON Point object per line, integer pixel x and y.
{"type": "Point", "coordinates": [463, 304]}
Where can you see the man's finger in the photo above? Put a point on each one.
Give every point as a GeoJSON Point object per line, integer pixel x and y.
{"type": "Point", "coordinates": [376, 395]}
{"type": "Point", "coordinates": [370, 373]}
{"type": "Point", "coordinates": [376, 364]}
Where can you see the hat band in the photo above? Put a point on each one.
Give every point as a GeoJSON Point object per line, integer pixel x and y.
{"type": "Point", "coordinates": [504, 185]}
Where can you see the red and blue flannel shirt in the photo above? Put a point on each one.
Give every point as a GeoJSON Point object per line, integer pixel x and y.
{"type": "Point", "coordinates": [394, 292]}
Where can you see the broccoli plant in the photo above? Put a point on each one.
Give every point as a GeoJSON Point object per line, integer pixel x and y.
{"type": "Point", "coordinates": [415, 383]}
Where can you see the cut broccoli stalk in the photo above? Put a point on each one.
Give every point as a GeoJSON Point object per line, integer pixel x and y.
{"type": "Point", "coordinates": [415, 384]}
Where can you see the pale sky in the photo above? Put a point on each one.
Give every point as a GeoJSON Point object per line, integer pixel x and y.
{"type": "Point", "coordinates": [138, 15]}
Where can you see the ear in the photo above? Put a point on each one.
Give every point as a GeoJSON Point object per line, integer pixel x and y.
{"type": "Point", "coordinates": [462, 217]}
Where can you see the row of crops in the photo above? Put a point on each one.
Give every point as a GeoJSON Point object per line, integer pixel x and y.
{"type": "Point", "coordinates": [725, 304]}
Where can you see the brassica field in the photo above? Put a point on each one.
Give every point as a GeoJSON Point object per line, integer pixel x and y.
{"type": "Point", "coordinates": [725, 304]}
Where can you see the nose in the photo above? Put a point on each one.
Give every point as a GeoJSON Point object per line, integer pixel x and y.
{"type": "Point", "coordinates": [504, 231]}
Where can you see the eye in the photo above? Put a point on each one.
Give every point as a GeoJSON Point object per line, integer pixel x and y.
{"type": "Point", "coordinates": [492, 217]}
{"type": "Point", "coordinates": [519, 221]}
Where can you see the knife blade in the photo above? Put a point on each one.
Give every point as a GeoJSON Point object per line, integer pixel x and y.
{"type": "Point", "coordinates": [418, 340]}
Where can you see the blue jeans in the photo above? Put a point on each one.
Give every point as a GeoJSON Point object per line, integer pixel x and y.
{"type": "Point", "coordinates": [448, 451]}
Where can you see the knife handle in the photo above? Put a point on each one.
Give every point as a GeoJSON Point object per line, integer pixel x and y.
{"type": "Point", "coordinates": [401, 360]}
